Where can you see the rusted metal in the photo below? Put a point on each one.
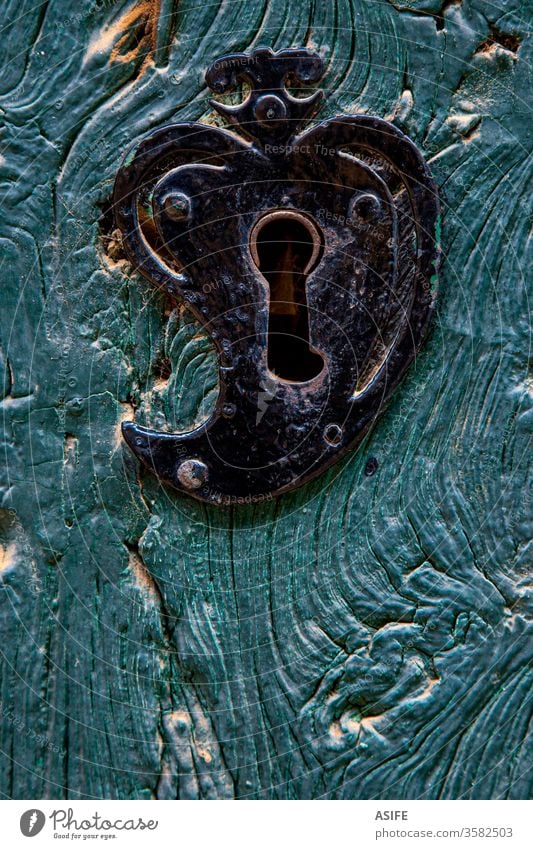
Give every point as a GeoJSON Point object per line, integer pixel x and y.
{"type": "Point", "coordinates": [311, 260]}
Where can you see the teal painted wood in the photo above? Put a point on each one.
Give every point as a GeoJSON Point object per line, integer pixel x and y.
{"type": "Point", "coordinates": [366, 636]}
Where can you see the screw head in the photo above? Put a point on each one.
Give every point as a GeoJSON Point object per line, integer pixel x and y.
{"type": "Point", "coordinates": [192, 474]}
{"type": "Point", "coordinates": [177, 206]}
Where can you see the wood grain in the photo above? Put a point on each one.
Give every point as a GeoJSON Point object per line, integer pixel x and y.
{"type": "Point", "coordinates": [365, 637]}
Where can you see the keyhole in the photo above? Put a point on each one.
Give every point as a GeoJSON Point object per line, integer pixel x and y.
{"type": "Point", "coordinates": [286, 246]}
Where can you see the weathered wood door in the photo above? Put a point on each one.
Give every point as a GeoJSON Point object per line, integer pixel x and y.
{"type": "Point", "coordinates": [364, 636]}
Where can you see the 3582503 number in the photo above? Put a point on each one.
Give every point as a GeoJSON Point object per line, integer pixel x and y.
{"type": "Point", "coordinates": [489, 831]}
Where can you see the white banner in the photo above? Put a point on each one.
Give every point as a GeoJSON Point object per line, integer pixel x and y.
{"type": "Point", "coordinates": [256, 824]}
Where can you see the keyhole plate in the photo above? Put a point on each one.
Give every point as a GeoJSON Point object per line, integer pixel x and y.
{"type": "Point", "coordinates": [330, 234]}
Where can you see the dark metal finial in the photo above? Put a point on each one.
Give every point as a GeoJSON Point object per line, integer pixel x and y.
{"type": "Point", "coordinates": [269, 114]}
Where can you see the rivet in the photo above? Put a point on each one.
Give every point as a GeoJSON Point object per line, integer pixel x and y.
{"type": "Point", "coordinates": [333, 434]}
{"type": "Point", "coordinates": [177, 206]}
{"type": "Point", "coordinates": [192, 474]}
{"type": "Point", "coordinates": [365, 208]}
{"type": "Point", "coordinates": [270, 108]}
{"type": "Point", "coordinates": [229, 410]}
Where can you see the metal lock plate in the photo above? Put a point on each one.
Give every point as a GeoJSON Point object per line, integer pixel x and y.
{"type": "Point", "coordinates": [323, 248]}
